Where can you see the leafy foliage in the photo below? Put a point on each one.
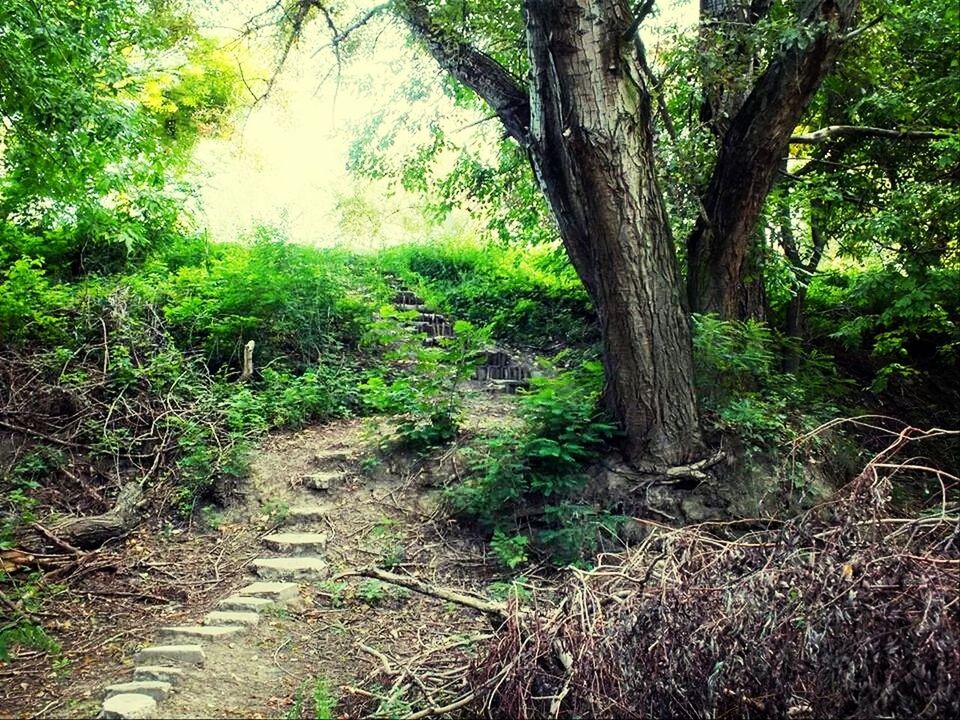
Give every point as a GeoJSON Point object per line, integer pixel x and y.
{"type": "Point", "coordinates": [420, 389]}
{"type": "Point", "coordinates": [541, 468]}
{"type": "Point", "coordinates": [528, 297]}
{"type": "Point", "coordinates": [744, 390]}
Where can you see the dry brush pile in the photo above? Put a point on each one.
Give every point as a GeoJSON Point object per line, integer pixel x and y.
{"type": "Point", "coordinates": [847, 610]}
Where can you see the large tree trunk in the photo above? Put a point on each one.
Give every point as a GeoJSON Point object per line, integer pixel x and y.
{"type": "Point", "coordinates": [591, 146]}
{"type": "Point", "coordinates": [585, 122]}
{"type": "Point", "coordinates": [750, 152]}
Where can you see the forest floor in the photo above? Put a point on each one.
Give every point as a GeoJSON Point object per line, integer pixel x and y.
{"type": "Point", "coordinates": [367, 643]}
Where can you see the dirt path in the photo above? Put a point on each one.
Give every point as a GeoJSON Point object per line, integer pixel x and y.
{"type": "Point", "coordinates": [356, 641]}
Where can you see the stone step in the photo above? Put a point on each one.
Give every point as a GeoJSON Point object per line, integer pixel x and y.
{"type": "Point", "coordinates": [333, 458]}
{"type": "Point", "coordinates": [210, 633]}
{"type": "Point", "coordinates": [296, 543]}
{"type": "Point", "coordinates": [406, 307]}
{"type": "Point", "coordinates": [241, 603]}
{"type": "Point", "coordinates": [405, 297]}
{"type": "Point", "coordinates": [128, 705]}
{"type": "Point", "coordinates": [156, 689]}
{"type": "Point", "coordinates": [434, 329]}
{"type": "Point", "coordinates": [227, 617]}
{"type": "Point", "coordinates": [323, 481]}
{"type": "Point", "coordinates": [188, 654]}
{"type": "Point", "coordinates": [495, 356]}
{"type": "Point", "coordinates": [501, 372]}
{"type": "Point", "coordinates": [159, 673]}
{"type": "Point", "coordinates": [306, 514]}
{"type": "Point", "coordinates": [304, 567]}
{"type": "Point", "coordinates": [277, 592]}
{"type": "Point", "coordinates": [506, 386]}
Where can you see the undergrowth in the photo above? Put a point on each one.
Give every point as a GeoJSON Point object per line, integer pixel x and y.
{"type": "Point", "coordinates": [525, 487]}
{"type": "Point", "coordinates": [529, 297]}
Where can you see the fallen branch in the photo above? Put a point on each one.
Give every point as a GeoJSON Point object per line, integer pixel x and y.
{"type": "Point", "coordinates": [495, 609]}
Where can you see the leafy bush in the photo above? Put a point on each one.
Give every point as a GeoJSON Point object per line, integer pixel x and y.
{"type": "Point", "coordinates": [529, 297]}
{"type": "Point", "coordinates": [743, 389]}
{"type": "Point", "coordinates": [31, 308]}
{"type": "Point", "coordinates": [293, 301]}
{"type": "Point", "coordinates": [420, 388]}
{"type": "Point", "coordinates": [908, 326]}
{"type": "Point", "coordinates": [536, 474]}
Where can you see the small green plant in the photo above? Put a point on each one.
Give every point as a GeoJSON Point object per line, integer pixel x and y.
{"type": "Point", "coordinates": [23, 631]}
{"type": "Point", "coordinates": [336, 590]}
{"type": "Point", "coordinates": [395, 706]}
{"type": "Point", "coordinates": [212, 518]}
{"type": "Point", "coordinates": [323, 701]}
{"type": "Point", "coordinates": [512, 551]}
{"type": "Point", "coordinates": [275, 510]}
{"type": "Point", "coordinates": [372, 592]}
{"type": "Point", "coordinates": [515, 588]}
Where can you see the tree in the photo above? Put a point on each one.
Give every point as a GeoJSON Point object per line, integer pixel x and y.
{"type": "Point", "coordinates": [751, 146]}
{"type": "Point", "coordinates": [96, 114]}
{"type": "Point", "coordinates": [584, 120]}
{"type": "Point", "coordinates": [569, 82]}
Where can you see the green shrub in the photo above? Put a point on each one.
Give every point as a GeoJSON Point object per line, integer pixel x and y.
{"type": "Point", "coordinates": [908, 326]}
{"type": "Point", "coordinates": [294, 302]}
{"type": "Point", "coordinates": [528, 297]}
{"type": "Point", "coordinates": [743, 389]}
{"type": "Point", "coordinates": [420, 388]}
{"type": "Point", "coordinates": [534, 476]}
{"type": "Point", "coordinates": [31, 307]}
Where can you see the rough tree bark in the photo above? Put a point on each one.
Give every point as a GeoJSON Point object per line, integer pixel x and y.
{"type": "Point", "coordinates": [750, 151]}
{"type": "Point", "coordinates": [585, 123]}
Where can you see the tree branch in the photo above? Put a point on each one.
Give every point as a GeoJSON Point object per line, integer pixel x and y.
{"type": "Point", "coordinates": [644, 8]}
{"type": "Point", "coordinates": [856, 131]}
{"type": "Point", "coordinates": [475, 69]}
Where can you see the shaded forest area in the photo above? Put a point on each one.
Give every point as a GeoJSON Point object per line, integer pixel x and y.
{"type": "Point", "coordinates": [731, 262]}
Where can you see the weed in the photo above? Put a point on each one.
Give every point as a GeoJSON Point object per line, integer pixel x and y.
{"type": "Point", "coordinates": [517, 588]}
{"type": "Point", "coordinates": [336, 590]}
{"type": "Point", "coordinates": [372, 592]}
{"type": "Point", "coordinates": [212, 518]}
{"type": "Point", "coordinates": [538, 471]}
{"type": "Point", "coordinates": [395, 706]}
{"type": "Point", "coordinates": [323, 701]}
{"type": "Point", "coordinates": [275, 510]}
{"type": "Point", "coordinates": [512, 551]}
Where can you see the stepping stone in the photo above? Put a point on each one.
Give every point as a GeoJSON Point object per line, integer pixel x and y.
{"type": "Point", "coordinates": [406, 297]}
{"type": "Point", "coordinates": [154, 688]}
{"type": "Point", "coordinates": [296, 543]}
{"type": "Point", "coordinates": [223, 617]}
{"type": "Point", "coordinates": [330, 456]}
{"type": "Point", "coordinates": [240, 603]}
{"type": "Point", "coordinates": [128, 705]}
{"type": "Point", "coordinates": [273, 591]}
{"type": "Point", "coordinates": [177, 654]}
{"type": "Point", "coordinates": [159, 673]}
{"type": "Point", "coordinates": [291, 568]}
{"type": "Point", "coordinates": [306, 514]}
{"type": "Point", "coordinates": [322, 481]}
{"type": "Point", "coordinates": [201, 632]}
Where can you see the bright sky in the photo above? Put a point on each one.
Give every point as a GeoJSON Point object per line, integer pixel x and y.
{"type": "Point", "coordinates": [285, 164]}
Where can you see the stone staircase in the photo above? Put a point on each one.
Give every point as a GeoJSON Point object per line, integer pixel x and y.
{"type": "Point", "coordinates": [499, 370]}
{"type": "Point", "coordinates": [293, 556]}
